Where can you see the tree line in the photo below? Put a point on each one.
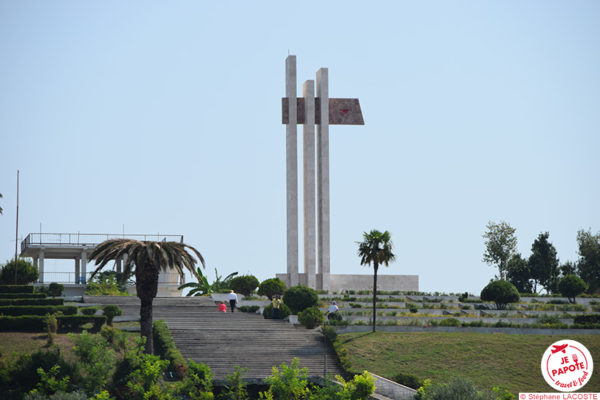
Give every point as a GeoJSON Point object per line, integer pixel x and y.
{"type": "Point", "coordinates": [542, 270]}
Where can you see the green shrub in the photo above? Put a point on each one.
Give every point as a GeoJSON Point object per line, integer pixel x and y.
{"type": "Point", "coordinates": [245, 284]}
{"type": "Point", "coordinates": [299, 298]}
{"type": "Point", "coordinates": [500, 292]}
{"type": "Point", "coordinates": [26, 273]}
{"type": "Point", "coordinates": [24, 375]}
{"type": "Point", "coordinates": [27, 323]}
{"type": "Point", "coordinates": [37, 310]}
{"type": "Point", "coordinates": [449, 322]}
{"type": "Point", "coordinates": [271, 287]}
{"type": "Point", "coordinates": [284, 311]}
{"type": "Point", "coordinates": [329, 332]}
{"type": "Point", "coordinates": [412, 307]}
{"type": "Point", "coordinates": [249, 309]}
{"type": "Point", "coordinates": [457, 388]}
{"type": "Point", "coordinates": [334, 316]}
{"type": "Point", "coordinates": [8, 296]}
{"type": "Point", "coordinates": [408, 380]}
{"type": "Point", "coordinates": [8, 288]}
{"type": "Point", "coordinates": [164, 347]}
{"type": "Point", "coordinates": [88, 310]}
{"type": "Point", "coordinates": [548, 319]}
{"type": "Point", "coordinates": [311, 317]}
{"type": "Point", "coordinates": [55, 289]}
{"type": "Point", "coordinates": [51, 327]}
{"type": "Point", "coordinates": [32, 302]}
{"type": "Point", "coordinates": [110, 312]}
{"type": "Point", "coordinates": [72, 323]}
{"type": "Point", "coordinates": [572, 286]}
{"type": "Point", "coordinates": [587, 319]}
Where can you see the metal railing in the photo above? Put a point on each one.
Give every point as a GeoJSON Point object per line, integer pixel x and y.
{"type": "Point", "coordinates": [89, 239]}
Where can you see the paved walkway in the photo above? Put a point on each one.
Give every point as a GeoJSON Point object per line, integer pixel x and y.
{"type": "Point", "coordinates": [223, 341]}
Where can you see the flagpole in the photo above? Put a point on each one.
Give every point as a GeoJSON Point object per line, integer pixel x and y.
{"type": "Point", "coordinates": [17, 229]}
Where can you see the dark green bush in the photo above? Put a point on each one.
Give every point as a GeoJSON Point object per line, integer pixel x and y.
{"type": "Point", "coordinates": [271, 287]}
{"type": "Point", "coordinates": [249, 309]}
{"type": "Point", "coordinates": [334, 316]}
{"type": "Point", "coordinates": [28, 323]}
{"type": "Point", "coordinates": [164, 347]}
{"type": "Point", "coordinates": [412, 307]}
{"type": "Point", "coordinates": [449, 322]}
{"type": "Point", "coordinates": [88, 310]}
{"type": "Point", "coordinates": [22, 296]}
{"type": "Point", "coordinates": [587, 319]}
{"type": "Point", "coordinates": [329, 332]}
{"type": "Point", "coordinates": [24, 375]}
{"type": "Point", "coordinates": [311, 317]}
{"type": "Point", "coordinates": [481, 307]}
{"type": "Point", "coordinates": [37, 310]}
{"type": "Point", "coordinates": [55, 289]}
{"type": "Point", "coordinates": [16, 288]}
{"type": "Point", "coordinates": [572, 286]}
{"type": "Point", "coordinates": [500, 292]}
{"type": "Point", "coordinates": [26, 273]}
{"type": "Point", "coordinates": [408, 380]}
{"type": "Point", "coordinates": [32, 302]}
{"type": "Point", "coordinates": [284, 311]}
{"type": "Point", "coordinates": [72, 323]}
{"type": "Point", "coordinates": [245, 284]}
{"type": "Point", "coordinates": [111, 311]}
{"type": "Point", "coordinates": [299, 298]}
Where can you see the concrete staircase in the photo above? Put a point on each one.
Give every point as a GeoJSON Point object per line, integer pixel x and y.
{"type": "Point", "coordinates": [224, 340]}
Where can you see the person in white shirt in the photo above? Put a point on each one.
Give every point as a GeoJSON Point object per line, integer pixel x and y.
{"type": "Point", "coordinates": [333, 308]}
{"type": "Point", "coordinates": [232, 300]}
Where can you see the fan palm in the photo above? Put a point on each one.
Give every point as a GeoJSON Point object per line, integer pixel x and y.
{"type": "Point", "coordinates": [376, 249]}
{"type": "Point", "coordinates": [145, 259]}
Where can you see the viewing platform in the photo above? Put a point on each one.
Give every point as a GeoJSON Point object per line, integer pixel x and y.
{"type": "Point", "coordinates": [78, 246]}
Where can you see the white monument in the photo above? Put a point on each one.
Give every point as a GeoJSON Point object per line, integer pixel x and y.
{"type": "Point", "coordinates": [310, 110]}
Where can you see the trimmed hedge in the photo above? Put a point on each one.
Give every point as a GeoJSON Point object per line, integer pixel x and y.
{"type": "Point", "coordinates": [22, 295]}
{"type": "Point", "coordinates": [16, 288]}
{"type": "Point", "coordinates": [70, 323]}
{"type": "Point", "coordinates": [283, 312]}
{"type": "Point", "coordinates": [37, 310]}
{"type": "Point", "coordinates": [164, 346]}
{"type": "Point", "coordinates": [29, 323]}
{"type": "Point", "coordinates": [37, 323]}
{"type": "Point", "coordinates": [587, 319]}
{"type": "Point", "coordinates": [89, 310]}
{"type": "Point", "coordinates": [32, 302]}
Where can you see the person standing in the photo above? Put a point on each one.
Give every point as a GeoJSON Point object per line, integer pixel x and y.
{"type": "Point", "coordinates": [276, 302]}
{"type": "Point", "coordinates": [232, 300]}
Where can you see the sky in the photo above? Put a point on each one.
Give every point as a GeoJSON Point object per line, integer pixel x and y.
{"type": "Point", "coordinates": [165, 117]}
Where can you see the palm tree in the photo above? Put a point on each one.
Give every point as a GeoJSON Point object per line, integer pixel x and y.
{"type": "Point", "coordinates": [376, 249]}
{"type": "Point", "coordinates": [0, 207]}
{"type": "Point", "coordinates": [146, 259]}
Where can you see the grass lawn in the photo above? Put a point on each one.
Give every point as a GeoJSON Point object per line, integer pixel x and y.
{"type": "Point", "coordinates": [509, 361]}
{"type": "Point", "coordinates": [13, 344]}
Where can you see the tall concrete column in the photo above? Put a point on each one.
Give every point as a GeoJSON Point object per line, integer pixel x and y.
{"type": "Point", "coordinates": [83, 266]}
{"type": "Point", "coordinates": [308, 155]}
{"type": "Point", "coordinates": [41, 266]}
{"type": "Point", "coordinates": [291, 152]}
{"type": "Point", "coordinates": [323, 177]}
{"type": "Point", "coordinates": [77, 269]}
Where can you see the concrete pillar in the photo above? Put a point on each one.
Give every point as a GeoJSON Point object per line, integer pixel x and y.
{"type": "Point", "coordinates": [77, 269]}
{"type": "Point", "coordinates": [83, 266]}
{"type": "Point", "coordinates": [41, 266]}
{"type": "Point", "coordinates": [308, 155]}
{"type": "Point", "coordinates": [323, 178]}
{"type": "Point", "coordinates": [291, 151]}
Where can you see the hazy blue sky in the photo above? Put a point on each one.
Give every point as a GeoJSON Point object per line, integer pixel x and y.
{"type": "Point", "coordinates": [164, 117]}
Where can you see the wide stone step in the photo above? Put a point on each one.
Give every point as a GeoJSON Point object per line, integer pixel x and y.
{"type": "Point", "coordinates": [224, 340]}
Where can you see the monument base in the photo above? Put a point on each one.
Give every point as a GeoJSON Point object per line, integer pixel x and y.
{"type": "Point", "coordinates": [339, 283]}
